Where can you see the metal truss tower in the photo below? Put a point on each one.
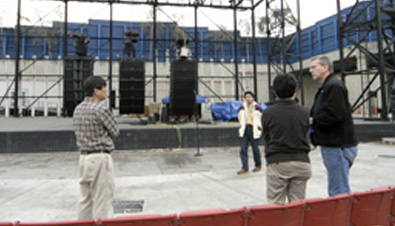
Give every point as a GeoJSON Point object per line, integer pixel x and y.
{"type": "Point", "coordinates": [234, 5]}
{"type": "Point", "coordinates": [280, 59]}
{"type": "Point", "coordinates": [356, 27]}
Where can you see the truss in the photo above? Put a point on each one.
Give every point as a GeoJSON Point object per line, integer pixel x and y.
{"type": "Point", "coordinates": [364, 20]}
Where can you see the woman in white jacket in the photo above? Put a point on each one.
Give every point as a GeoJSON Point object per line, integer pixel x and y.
{"type": "Point", "coordinates": [250, 131]}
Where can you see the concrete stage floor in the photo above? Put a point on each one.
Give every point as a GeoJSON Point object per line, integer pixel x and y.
{"type": "Point", "coordinates": [44, 186]}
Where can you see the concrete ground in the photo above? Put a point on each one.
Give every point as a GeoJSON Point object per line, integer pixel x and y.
{"type": "Point", "coordinates": [44, 187]}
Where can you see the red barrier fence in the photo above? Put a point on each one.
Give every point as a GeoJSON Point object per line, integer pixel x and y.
{"type": "Point", "coordinates": [372, 207]}
{"type": "Point", "coordinates": [375, 207]}
{"type": "Point", "coordinates": [63, 223]}
{"type": "Point", "coordinates": [277, 215]}
{"type": "Point", "coordinates": [218, 217]}
{"type": "Point", "coordinates": [140, 220]}
{"type": "Point", "coordinates": [392, 218]}
{"type": "Point", "coordinates": [330, 211]}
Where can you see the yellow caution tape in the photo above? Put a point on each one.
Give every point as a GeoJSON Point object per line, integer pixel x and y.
{"type": "Point", "coordinates": [179, 138]}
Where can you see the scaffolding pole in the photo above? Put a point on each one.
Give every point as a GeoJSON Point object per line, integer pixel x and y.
{"type": "Point", "coordinates": [269, 60]}
{"type": "Point", "coordinates": [17, 58]}
{"type": "Point", "coordinates": [154, 51]}
{"type": "Point", "coordinates": [384, 110]}
{"type": "Point", "coordinates": [254, 66]}
{"type": "Point", "coordinates": [110, 60]}
{"type": "Point", "coordinates": [236, 57]}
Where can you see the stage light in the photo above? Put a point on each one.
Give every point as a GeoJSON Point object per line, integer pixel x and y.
{"type": "Point", "coordinates": [131, 37]}
{"type": "Point", "coordinates": [183, 51]}
{"type": "Point", "coordinates": [80, 44]}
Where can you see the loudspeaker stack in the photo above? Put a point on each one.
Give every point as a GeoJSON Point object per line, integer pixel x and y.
{"type": "Point", "coordinates": [131, 86]}
{"type": "Point", "coordinates": [183, 88]}
{"type": "Point", "coordinates": [76, 70]}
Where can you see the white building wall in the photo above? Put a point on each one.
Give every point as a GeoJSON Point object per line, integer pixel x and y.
{"type": "Point", "coordinates": [44, 74]}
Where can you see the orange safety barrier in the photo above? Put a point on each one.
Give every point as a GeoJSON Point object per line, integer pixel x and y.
{"type": "Point", "coordinates": [277, 215]}
{"type": "Point", "coordinates": [62, 223]}
{"type": "Point", "coordinates": [217, 217]}
{"type": "Point", "coordinates": [372, 207]}
{"type": "Point", "coordinates": [332, 211]}
{"type": "Point", "coordinates": [140, 220]}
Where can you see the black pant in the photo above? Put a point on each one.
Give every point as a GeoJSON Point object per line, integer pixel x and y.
{"type": "Point", "coordinates": [249, 138]}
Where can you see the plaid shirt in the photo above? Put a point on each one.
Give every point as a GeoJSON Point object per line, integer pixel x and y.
{"type": "Point", "coordinates": [94, 126]}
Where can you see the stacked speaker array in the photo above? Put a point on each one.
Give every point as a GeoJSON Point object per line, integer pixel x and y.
{"type": "Point", "coordinates": [183, 88]}
{"type": "Point", "coordinates": [76, 70]}
{"type": "Point", "coordinates": [131, 86]}
{"type": "Point", "coordinates": [183, 85]}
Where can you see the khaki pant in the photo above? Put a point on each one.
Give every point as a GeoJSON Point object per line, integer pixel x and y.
{"type": "Point", "coordinates": [96, 186]}
{"type": "Point", "coordinates": [287, 179]}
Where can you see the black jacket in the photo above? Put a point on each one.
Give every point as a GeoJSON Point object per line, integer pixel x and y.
{"type": "Point", "coordinates": [285, 129]}
{"type": "Point", "coordinates": [332, 120]}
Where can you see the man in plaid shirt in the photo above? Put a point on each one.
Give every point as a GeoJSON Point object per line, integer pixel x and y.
{"type": "Point", "coordinates": [95, 129]}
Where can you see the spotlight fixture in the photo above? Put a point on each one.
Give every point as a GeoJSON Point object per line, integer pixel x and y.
{"type": "Point", "coordinates": [131, 37]}
{"type": "Point", "coordinates": [80, 44]}
{"type": "Point", "coordinates": [183, 51]}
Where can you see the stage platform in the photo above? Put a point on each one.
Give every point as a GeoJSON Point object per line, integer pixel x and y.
{"type": "Point", "coordinates": [53, 134]}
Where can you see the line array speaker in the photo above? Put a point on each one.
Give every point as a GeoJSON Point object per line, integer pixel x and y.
{"type": "Point", "coordinates": [131, 86]}
{"type": "Point", "coordinates": [183, 87]}
{"type": "Point", "coordinates": [76, 70]}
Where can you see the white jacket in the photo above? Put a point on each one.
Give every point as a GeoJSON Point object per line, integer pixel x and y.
{"type": "Point", "coordinates": [257, 115]}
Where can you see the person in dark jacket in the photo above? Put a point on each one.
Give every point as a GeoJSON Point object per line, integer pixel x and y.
{"type": "Point", "coordinates": [332, 125]}
{"type": "Point", "coordinates": [285, 129]}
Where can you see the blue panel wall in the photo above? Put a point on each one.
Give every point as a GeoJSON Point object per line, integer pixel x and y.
{"type": "Point", "coordinates": [318, 39]}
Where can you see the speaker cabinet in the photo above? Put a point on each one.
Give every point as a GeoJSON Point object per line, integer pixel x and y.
{"type": "Point", "coordinates": [183, 87]}
{"type": "Point", "coordinates": [131, 86]}
{"type": "Point", "coordinates": [76, 70]}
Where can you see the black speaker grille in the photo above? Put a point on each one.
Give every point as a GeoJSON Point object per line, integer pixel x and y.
{"type": "Point", "coordinates": [183, 87]}
{"type": "Point", "coordinates": [131, 86]}
{"type": "Point", "coordinates": [76, 70]}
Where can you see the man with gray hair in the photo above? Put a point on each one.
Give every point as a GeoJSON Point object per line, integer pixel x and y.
{"type": "Point", "coordinates": [332, 125]}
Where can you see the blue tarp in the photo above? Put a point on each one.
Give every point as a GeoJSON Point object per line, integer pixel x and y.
{"type": "Point", "coordinates": [227, 111]}
{"type": "Point", "coordinates": [200, 99]}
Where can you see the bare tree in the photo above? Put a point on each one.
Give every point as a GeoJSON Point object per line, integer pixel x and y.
{"type": "Point", "coordinates": [245, 26]}
{"type": "Point", "coordinates": [275, 20]}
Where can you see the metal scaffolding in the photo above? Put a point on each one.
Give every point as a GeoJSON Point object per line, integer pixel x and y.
{"type": "Point", "coordinates": [234, 5]}
{"type": "Point", "coordinates": [367, 18]}
{"type": "Point", "coordinates": [280, 59]}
